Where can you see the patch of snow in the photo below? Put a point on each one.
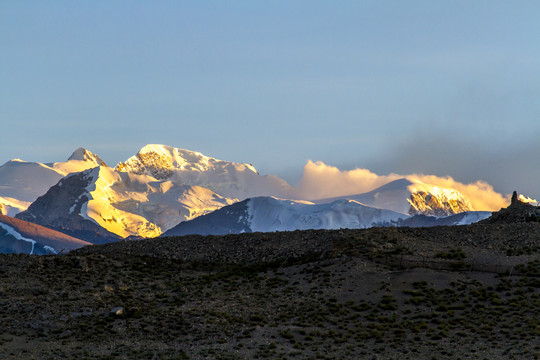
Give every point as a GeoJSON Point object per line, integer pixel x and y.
{"type": "Point", "coordinates": [18, 236]}
{"type": "Point", "coordinates": [50, 249]}
{"type": "Point", "coordinates": [472, 217]}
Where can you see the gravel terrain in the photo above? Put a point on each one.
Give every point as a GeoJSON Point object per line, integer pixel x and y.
{"type": "Point", "coordinates": [467, 292]}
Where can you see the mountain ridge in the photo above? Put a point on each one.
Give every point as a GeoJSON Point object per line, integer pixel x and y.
{"type": "Point", "coordinates": [267, 214]}
{"type": "Point", "coordinates": [22, 182]}
{"type": "Point", "coordinates": [18, 236]}
{"type": "Point", "coordinates": [227, 178]}
{"type": "Point", "coordinates": [107, 202]}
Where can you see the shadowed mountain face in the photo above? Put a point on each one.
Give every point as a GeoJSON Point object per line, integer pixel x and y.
{"type": "Point", "coordinates": [233, 219]}
{"type": "Point", "coordinates": [22, 182]}
{"type": "Point", "coordinates": [265, 214]}
{"type": "Point", "coordinates": [60, 207]}
{"type": "Point", "coordinates": [464, 218]}
{"type": "Point", "coordinates": [18, 236]}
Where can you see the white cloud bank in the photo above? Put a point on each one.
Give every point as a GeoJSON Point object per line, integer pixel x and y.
{"type": "Point", "coordinates": [324, 181]}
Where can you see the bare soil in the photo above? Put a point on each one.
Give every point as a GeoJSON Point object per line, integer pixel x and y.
{"type": "Point", "coordinates": [468, 292]}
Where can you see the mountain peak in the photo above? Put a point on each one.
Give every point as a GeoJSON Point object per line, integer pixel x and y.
{"type": "Point", "coordinates": [435, 200]}
{"type": "Point", "coordinates": [226, 178]}
{"type": "Point", "coordinates": [162, 161]}
{"type": "Point", "coordinates": [83, 154]}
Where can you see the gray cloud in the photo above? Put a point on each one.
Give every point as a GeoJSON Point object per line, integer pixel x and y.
{"type": "Point", "coordinates": [514, 165]}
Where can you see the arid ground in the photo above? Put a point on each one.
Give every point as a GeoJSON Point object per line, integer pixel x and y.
{"type": "Point", "coordinates": [467, 292]}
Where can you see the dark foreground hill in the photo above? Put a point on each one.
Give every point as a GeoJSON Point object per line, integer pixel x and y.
{"type": "Point", "coordinates": [466, 292]}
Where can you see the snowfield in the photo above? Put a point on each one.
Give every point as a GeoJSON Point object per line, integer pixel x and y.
{"type": "Point", "coordinates": [272, 214]}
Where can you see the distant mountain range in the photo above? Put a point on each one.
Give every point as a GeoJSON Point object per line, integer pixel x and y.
{"type": "Point", "coordinates": [166, 190]}
{"type": "Point", "coordinates": [265, 214]}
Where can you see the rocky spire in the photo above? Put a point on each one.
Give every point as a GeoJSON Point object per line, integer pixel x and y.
{"type": "Point", "coordinates": [514, 198]}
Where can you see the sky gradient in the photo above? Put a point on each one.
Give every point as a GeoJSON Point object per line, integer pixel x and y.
{"type": "Point", "coordinates": [433, 87]}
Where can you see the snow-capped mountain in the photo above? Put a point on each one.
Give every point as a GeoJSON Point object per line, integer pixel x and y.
{"type": "Point", "coordinates": [106, 201]}
{"type": "Point", "coordinates": [228, 179]}
{"type": "Point", "coordinates": [82, 154]}
{"type": "Point", "coordinates": [162, 186]}
{"type": "Point", "coordinates": [267, 214]}
{"type": "Point", "coordinates": [21, 182]}
{"type": "Point", "coordinates": [412, 197]}
{"type": "Point", "coordinates": [148, 194]}
{"type": "Point", "coordinates": [464, 218]}
{"type": "Point", "coordinates": [18, 236]}
{"type": "Point", "coordinates": [264, 214]}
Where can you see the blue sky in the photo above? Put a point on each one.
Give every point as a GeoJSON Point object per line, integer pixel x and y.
{"type": "Point", "coordinates": [439, 87]}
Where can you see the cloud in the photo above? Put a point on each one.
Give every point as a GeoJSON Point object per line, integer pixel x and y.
{"type": "Point", "coordinates": [507, 166]}
{"type": "Point", "coordinates": [323, 181]}
{"type": "Point", "coordinates": [320, 181]}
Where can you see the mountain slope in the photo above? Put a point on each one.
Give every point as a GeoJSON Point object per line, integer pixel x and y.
{"type": "Point", "coordinates": [18, 236]}
{"type": "Point", "coordinates": [229, 179]}
{"type": "Point", "coordinates": [22, 182]}
{"type": "Point", "coordinates": [107, 202]}
{"type": "Point", "coordinates": [267, 214]}
{"type": "Point", "coordinates": [463, 218]}
{"type": "Point", "coordinates": [412, 197]}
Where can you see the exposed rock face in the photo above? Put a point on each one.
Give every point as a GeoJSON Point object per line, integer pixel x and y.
{"type": "Point", "coordinates": [150, 163]}
{"type": "Point", "coordinates": [22, 182]}
{"type": "Point", "coordinates": [442, 205]}
{"type": "Point", "coordinates": [60, 206]}
{"type": "Point", "coordinates": [514, 199]}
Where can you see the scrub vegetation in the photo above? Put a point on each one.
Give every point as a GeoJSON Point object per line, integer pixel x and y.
{"type": "Point", "coordinates": [381, 293]}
